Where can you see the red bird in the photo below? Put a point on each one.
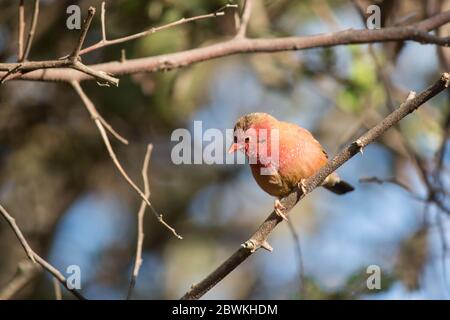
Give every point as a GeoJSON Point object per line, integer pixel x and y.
{"type": "Point", "coordinates": [282, 155]}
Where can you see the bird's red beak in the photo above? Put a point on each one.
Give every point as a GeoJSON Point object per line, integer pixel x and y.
{"type": "Point", "coordinates": [235, 147]}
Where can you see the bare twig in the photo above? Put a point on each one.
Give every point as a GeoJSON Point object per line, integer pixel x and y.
{"type": "Point", "coordinates": [21, 30]}
{"type": "Point", "coordinates": [140, 224]}
{"type": "Point", "coordinates": [12, 223]}
{"type": "Point", "coordinates": [75, 55]}
{"type": "Point", "coordinates": [32, 31]}
{"type": "Point", "coordinates": [301, 267]}
{"type": "Point", "coordinates": [100, 75]}
{"type": "Point", "coordinates": [444, 245]}
{"type": "Point", "coordinates": [34, 256]}
{"type": "Point", "coordinates": [104, 42]}
{"type": "Point", "coordinates": [260, 236]}
{"type": "Point", "coordinates": [57, 289]}
{"type": "Point", "coordinates": [26, 272]}
{"type": "Point", "coordinates": [245, 18]}
{"type": "Point", "coordinates": [95, 116]}
{"type": "Point", "coordinates": [7, 74]}
{"type": "Point", "coordinates": [84, 29]}
{"type": "Point", "coordinates": [103, 22]}
{"type": "Point", "coordinates": [392, 180]}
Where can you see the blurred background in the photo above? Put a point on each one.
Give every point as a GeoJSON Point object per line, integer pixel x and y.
{"type": "Point", "coordinates": [58, 181]}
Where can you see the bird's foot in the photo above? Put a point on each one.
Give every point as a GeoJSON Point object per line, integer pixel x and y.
{"type": "Point", "coordinates": [279, 209]}
{"type": "Point", "coordinates": [302, 186]}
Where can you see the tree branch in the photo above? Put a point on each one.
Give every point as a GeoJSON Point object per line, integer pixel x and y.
{"type": "Point", "coordinates": [57, 289]}
{"type": "Point", "coordinates": [21, 30]}
{"type": "Point", "coordinates": [98, 122]}
{"type": "Point", "coordinates": [245, 18]}
{"type": "Point", "coordinates": [260, 236]}
{"type": "Point", "coordinates": [140, 224]}
{"type": "Point", "coordinates": [415, 32]}
{"type": "Point", "coordinates": [105, 43]}
{"type": "Point", "coordinates": [86, 24]}
{"type": "Point", "coordinates": [32, 31]}
{"type": "Point", "coordinates": [26, 272]}
{"type": "Point", "coordinates": [34, 256]}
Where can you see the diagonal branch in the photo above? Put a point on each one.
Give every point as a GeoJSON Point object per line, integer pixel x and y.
{"type": "Point", "coordinates": [27, 271]}
{"type": "Point", "coordinates": [95, 116]}
{"type": "Point", "coordinates": [261, 235]}
{"type": "Point", "coordinates": [35, 257]}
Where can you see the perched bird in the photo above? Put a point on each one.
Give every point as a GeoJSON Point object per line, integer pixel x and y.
{"type": "Point", "coordinates": [281, 156]}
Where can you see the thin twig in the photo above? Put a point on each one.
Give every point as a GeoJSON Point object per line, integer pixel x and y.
{"type": "Point", "coordinates": [140, 224]}
{"type": "Point", "coordinates": [34, 256]}
{"type": "Point", "coordinates": [12, 223]}
{"type": "Point", "coordinates": [392, 180]}
{"type": "Point", "coordinates": [84, 29]}
{"type": "Point", "coordinates": [245, 18]}
{"type": "Point", "coordinates": [301, 268]}
{"type": "Point", "coordinates": [103, 22]}
{"type": "Point", "coordinates": [21, 30]}
{"type": "Point", "coordinates": [97, 116]}
{"type": "Point", "coordinates": [445, 247]}
{"type": "Point", "coordinates": [32, 31]}
{"type": "Point", "coordinates": [260, 236]}
{"type": "Point", "coordinates": [92, 110]}
{"type": "Point", "coordinates": [57, 289]}
{"type": "Point", "coordinates": [100, 75]}
{"type": "Point", "coordinates": [12, 71]}
{"type": "Point", "coordinates": [104, 42]}
{"type": "Point", "coordinates": [27, 271]}
{"type": "Point", "coordinates": [74, 57]}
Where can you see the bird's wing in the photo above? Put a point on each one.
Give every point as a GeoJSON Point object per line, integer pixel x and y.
{"type": "Point", "coordinates": [301, 155]}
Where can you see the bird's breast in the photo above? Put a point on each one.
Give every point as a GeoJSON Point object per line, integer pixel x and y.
{"type": "Point", "coordinates": [269, 179]}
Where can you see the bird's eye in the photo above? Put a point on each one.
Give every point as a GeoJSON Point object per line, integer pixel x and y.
{"type": "Point", "coordinates": [247, 140]}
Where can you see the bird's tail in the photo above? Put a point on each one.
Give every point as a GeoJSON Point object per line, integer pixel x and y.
{"type": "Point", "coordinates": [336, 185]}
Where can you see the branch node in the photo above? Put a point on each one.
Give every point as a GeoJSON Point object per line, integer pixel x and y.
{"type": "Point", "coordinates": [251, 245]}
{"type": "Point", "coordinates": [360, 145]}
{"type": "Point", "coordinates": [446, 78]}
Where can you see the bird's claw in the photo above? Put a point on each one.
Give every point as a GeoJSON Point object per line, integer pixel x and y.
{"type": "Point", "coordinates": [302, 186]}
{"type": "Point", "coordinates": [279, 209]}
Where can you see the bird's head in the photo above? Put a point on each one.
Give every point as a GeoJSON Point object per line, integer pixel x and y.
{"type": "Point", "coordinates": [251, 132]}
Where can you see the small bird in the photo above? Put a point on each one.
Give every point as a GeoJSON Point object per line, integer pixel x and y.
{"type": "Point", "coordinates": [281, 156]}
